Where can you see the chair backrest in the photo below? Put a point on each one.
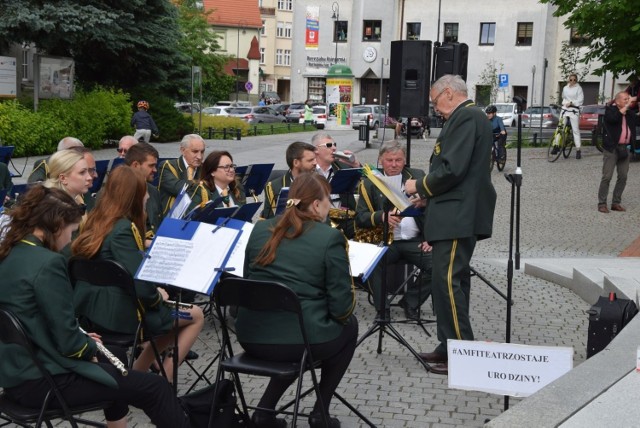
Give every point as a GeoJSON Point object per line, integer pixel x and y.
{"type": "Point", "coordinates": [257, 295]}
{"type": "Point", "coordinates": [105, 273]}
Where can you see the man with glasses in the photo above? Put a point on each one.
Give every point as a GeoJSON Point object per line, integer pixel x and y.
{"type": "Point", "coordinates": [344, 206]}
{"type": "Point", "coordinates": [572, 99]}
{"type": "Point", "coordinates": [301, 157]}
{"type": "Point", "coordinates": [125, 144]}
{"type": "Point", "coordinates": [460, 205]}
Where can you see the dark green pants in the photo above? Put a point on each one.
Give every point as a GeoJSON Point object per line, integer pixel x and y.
{"type": "Point", "coordinates": [409, 251]}
{"type": "Point", "coordinates": [451, 287]}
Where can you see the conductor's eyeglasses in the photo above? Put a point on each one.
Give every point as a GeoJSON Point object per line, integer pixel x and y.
{"type": "Point", "coordinates": [328, 145]}
{"type": "Point", "coordinates": [228, 167]}
{"type": "Point", "coordinates": [121, 150]}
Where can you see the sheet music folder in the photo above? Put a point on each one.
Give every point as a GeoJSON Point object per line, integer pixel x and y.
{"type": "Point", "coordinates": [188, 254]}
{"type": "Point", "coordinates": [210, 213]}
{"type": "Point", "coordinates": [254, 177]}
{"type": "Point", "coordinates": [345, 180]}
{"type": "Point", "coordinates": [363, 258]}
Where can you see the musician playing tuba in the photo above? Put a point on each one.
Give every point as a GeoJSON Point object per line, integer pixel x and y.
{"type": "Point", "coordinates": [36, 288]}
{"type": "Point", "coordinates": [406, 233]}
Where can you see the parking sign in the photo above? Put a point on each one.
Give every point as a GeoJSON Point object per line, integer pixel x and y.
{"type": "Point", "coordinates": [503, 80]}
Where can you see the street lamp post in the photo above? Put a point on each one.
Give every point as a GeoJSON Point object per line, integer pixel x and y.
{"type": "Point", "coordinates": [335, 7]}
{"type": "Point", "coordinates": [238, 57]}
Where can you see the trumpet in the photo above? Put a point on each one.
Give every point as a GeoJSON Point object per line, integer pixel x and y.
{"type": "Point", "coordinates": [172, 304]}
{"type": "Point", "coordinates": [109, 356]}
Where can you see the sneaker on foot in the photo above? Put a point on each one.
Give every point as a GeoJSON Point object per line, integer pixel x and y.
{"type": "Point", "coordinates": [555, 150]}
{"type": "Point", "coordinates": [578, 154]}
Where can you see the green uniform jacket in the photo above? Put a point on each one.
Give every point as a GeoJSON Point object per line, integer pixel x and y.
{"type": "Point", "coordinates": [371, 203]}
{"type": "Point", "coordinates": [461, 196]}
{"type": "Point", "coordinates": [316, 266]}
{"type": "Point", "coordinates": [40, 171]}
{"type": "Point", "coordinates": [35, 286]}
{"type": "Point", "coordinates": [202, 193]}
{"type": "Point", "coordinates": [271, 192]}
{"type": "Point", "coordinates": [154, 210]}
{"type": "Point", "coordinates": [5, 179]}
{"type": "Point", "coordinates": [109, 307]}
{"type": "Point", "coordinates": [173, 176]}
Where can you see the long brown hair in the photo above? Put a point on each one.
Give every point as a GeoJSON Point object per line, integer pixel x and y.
{"type": "Point", "coordinates": [121, 197]}
{"type": "Point", "coordinates": [305, 189]}
{"type": "Point", "coordinates": [210, 164]}
{"type": "Point", "coordinates": [48, 210]}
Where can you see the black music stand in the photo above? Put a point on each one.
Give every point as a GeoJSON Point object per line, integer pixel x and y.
{"type": "Point", "coordinates": [254, 178]}
{"type": "Point", "coordinates": [382, 323]}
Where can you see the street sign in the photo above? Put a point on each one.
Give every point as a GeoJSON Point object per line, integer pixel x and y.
{"type": "Point", "coordinates": [503, 80]}
{"type": "Point", "coordinates": [248, 86]}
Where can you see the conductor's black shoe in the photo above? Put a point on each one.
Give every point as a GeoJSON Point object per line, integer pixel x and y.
{"type": "Point", "coordinates": [267, 420]}
{"type": "Point", "coordinates": [578, 154]}
{"type": "Point", "coordinates": [191, 356]}
{"type": "Point", "coordinates": [555, 150]}
{"type": "Point", "coordinates": [441, 369]}
{"type": "Point", "coordinates": [315, 420]}
{"type": "Point", "coordinates": [434, 357]}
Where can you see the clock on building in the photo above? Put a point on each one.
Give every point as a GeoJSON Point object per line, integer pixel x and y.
{"type": "Point", "coordinates": [370, 54]}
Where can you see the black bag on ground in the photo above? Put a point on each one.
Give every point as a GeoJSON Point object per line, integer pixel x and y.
{"type": "Point", "coordinates": [198, 406]}
{"type": "Point", "coordinates": [606, 318]}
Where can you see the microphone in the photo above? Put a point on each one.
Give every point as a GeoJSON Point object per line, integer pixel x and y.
{"type": "Point", "coordinates": [342, 155]}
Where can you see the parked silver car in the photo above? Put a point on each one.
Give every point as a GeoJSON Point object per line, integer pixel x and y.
{"type": "Point", "coordinates": [257, 114]}
{"type": "Point", "coordinates": [216, 111]}
{"type": "Point", "coordinates": [549, 115]}
{"type": "Point", "coordinates": [376, 114]}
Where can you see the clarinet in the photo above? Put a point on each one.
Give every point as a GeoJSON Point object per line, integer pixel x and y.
{"type": "Point", "coordinates": [109, 356]}
{"type": "Point", "coordinates": [172, 304]}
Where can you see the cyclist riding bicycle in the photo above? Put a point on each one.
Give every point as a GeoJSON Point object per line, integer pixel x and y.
{"type": "Point", "coordinates": [572, 99]}
{"type": "Point", "coordinates": [499, 132]}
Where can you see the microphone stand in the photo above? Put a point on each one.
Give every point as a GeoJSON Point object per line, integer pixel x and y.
{"type": "Point", "coordinates": [382, 323]}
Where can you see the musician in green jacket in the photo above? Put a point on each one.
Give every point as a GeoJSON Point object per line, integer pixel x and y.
{"type": "Point", "coordinates": [176, 173]}
{"type": "Point", "coordinates": [36, 288]}
{"type": "Point", "coordinates": [40, 170]}
{"type": "Point", "coordinates": [299, 250]}
{"type": "Point", "coordinates": [301, 157]}
{"type": "Point", "coordinates": [144, 156]}
{"type": "Point", "coordinates": [218, 181]}
{"type": "Point", "coordinates": [115, 231]}
{"type": "Point", "coordinates": [461, 201]}
{"type": "Point", "coordinates": [406, 233]}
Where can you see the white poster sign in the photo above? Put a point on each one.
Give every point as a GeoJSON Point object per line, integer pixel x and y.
{"type": "Point", "coordinates": [8, 80]}
{"type": "Point", "coordinates": [505, 368]}
{"type": "Point", "coordinates": [56, 77]}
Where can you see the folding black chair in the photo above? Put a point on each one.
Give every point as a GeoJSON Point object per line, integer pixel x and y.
{"type": "Point", "coordinates": [12, 334]}
{"type": "Point", "coordinates": [269, 297]}
{"type": "Point", "coordinates": [109, 273]}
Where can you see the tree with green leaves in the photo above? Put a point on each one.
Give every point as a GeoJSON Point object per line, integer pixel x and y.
{"type": "Point", "coordinates": [488, 82]}
{"type": "Point", "coordinates": [612, 28]}
{"type": "Point", "coordinates": [118, 43]}
{"type": "Point", "coordinates": [201, 46]}
{"type": "Point", "coordinates": [570, 61]}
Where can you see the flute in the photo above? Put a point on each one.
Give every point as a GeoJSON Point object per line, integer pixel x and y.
{"type": "Point", "coordinates": [109, 356]}
{"type": "Point", "coordinates": [172, 304]}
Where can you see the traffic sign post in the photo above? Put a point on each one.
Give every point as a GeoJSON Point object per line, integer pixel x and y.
{"type": "Point", "coordinates": [248, 86]}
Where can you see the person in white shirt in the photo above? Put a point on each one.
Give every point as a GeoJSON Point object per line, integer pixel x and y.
{"type": "Point", "coordinates": [572, 100]}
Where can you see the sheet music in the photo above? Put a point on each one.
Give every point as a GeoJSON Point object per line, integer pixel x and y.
{"type": "Point", "coordinates": [180, 205]}
{"type": "Point", "coordinates": [236, 260]}
{"type": "Point", "coordinates": [192, 263]}
{"type": "Point", "coordinates": [364, 257]}
{"type": "Point", "coordinates": [395, 196]}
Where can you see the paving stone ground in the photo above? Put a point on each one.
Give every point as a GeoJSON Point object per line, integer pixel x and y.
{"type": "Point", "coordinates": [558, 219]}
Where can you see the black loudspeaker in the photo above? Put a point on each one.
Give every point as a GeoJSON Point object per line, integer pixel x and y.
{"type": "Point", "coordinates": [409, 78]}
{"type": "Point", "coordinates": [452, 58]}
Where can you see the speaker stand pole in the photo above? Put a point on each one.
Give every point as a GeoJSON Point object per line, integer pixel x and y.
{"type": "Point", "coordinates": [408, 142]}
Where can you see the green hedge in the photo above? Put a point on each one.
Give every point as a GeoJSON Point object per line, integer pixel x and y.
{"type": "Point", "coordinates": [220, 122]}
{"type": "Point", "coordinates": [31, 133]}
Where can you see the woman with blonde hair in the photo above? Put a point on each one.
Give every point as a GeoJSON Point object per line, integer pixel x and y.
{"type": "Point", "coordinates": [114, 231]}
{"type": "Point", "coordinates": [68, 170]}
{"type": "Point", "coordinates": [299, 250]}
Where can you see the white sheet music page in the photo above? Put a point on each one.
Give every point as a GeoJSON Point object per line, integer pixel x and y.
{"type": "Point", "coordinates": [192, 263]}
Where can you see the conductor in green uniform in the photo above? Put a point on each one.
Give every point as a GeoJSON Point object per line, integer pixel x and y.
{"type": "Point", "coordinates": [460, 205]}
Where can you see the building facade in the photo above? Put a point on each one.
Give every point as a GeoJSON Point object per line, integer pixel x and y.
{"type": "Point", "coordinates": [512, 39]}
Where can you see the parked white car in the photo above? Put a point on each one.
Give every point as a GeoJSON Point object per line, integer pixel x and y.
{"type": "Point", "coordinates": [216, 111]}
{"type": "Point", "coordinates": [508, 112]}
{"type": "Point", "coordinates": [319, 116]}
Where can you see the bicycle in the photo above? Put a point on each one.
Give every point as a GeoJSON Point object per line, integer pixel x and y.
{"type": "Point", "coordinates": [562, 140]}
{"type": "Point", "coordinates": [498, 152]}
